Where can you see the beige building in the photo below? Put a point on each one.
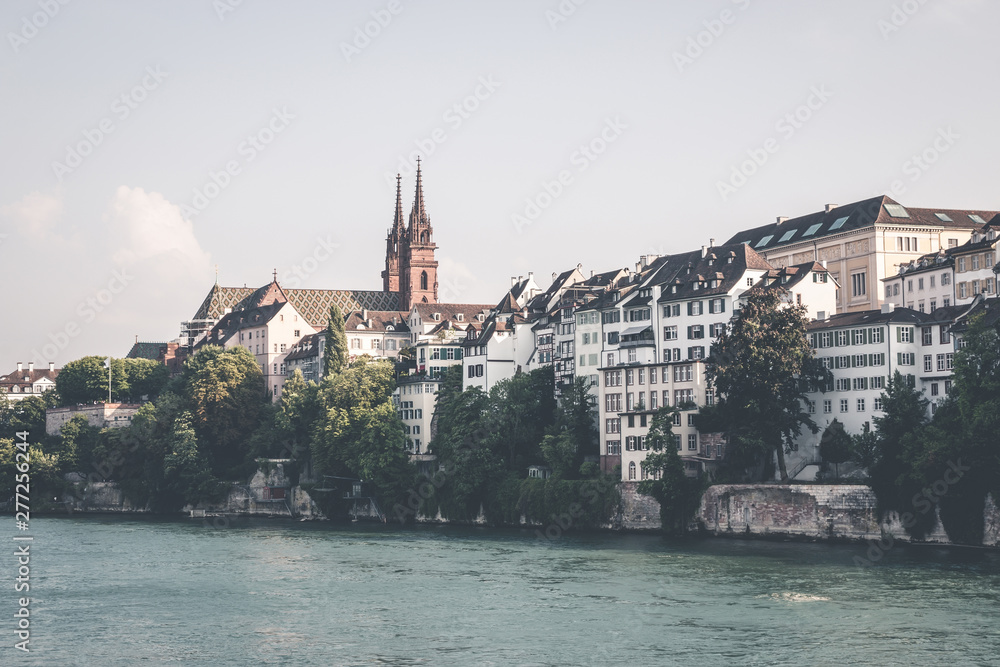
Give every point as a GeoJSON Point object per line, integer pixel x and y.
{"type": "Point", "coordinates": [28, 382]}
{"type": "Point", "coordinates": [862, 243]}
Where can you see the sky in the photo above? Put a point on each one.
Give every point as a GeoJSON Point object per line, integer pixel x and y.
{"type": "Point", "coordinates": [150, 146]}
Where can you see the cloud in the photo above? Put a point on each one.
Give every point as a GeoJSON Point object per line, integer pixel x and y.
{"type": "Point", "coordinates": [147, 226]}
{"type": "Point", "coordinates": [35, 215]}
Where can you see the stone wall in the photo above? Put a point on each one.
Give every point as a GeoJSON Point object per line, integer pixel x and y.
{"type": "Point", "coordinates": [832, 511]}
{"type": "Point", "coordinates": [636, 511]}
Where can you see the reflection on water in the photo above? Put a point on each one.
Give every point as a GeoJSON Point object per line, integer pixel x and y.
{"type": "Point", "coordinates": [125, 592]}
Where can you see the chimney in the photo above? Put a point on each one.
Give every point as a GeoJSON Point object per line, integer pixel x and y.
{"type": "Point", "coordinates": [554, 276]}
{"type": "Point", "coordinates": [782, 218]}
{"type": "Point", "coordinates": [821, 315]}
{"type": "Point", "coordinates": [20, 367]}
{"type": "Point", "coordinates": [704, 250]}
{"type": "Point", "coordinates": [830, 207]}
{"type": "Point", "coordinates": [52, 366]}
{"type": "Point", "coordinates": [513, 281]}
{"type": "Point", "coordinates": [31, 366]}
{"type": "Point", "coordinates": [591, 273]}
{"type": "Point", "coordinates": [823, 263]}
{"type": "Point", "coordinates": [888, 308]}
{"type": "Point", "coordinates": [579, 267]}
{"type": "Point", "coordinates": [531, 275]}
{"type": "Point", "coordinates": [711, 243]}
{"type": "Point", "coordinates": [638, 267]}
{"type": "Point", "coordinates": [364, 314]}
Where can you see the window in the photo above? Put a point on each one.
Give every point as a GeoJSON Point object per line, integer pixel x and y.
{"type": "Point", "coordinates": [861, 405]}
{"type": "Point", "coordinates": [652, 398]}
{"type": "Point", "coordinates": [672, 310]}
{"type": "Point", "coordinates": [683, 373]}
{"type": "Point", "coordinates": [683, 396]}
{"type": "Point", "coordinates": [670, 333]}
{"type": "Point", "coordinates": [692, 442]}
{"type": "Point", "coordinates": [612, 378]}
{"type": "Point", "coordinates": [612, 425]}
{"type": "Point", "coordinates": [975, 262]}
{"type": "Point", "coordinates": [905, 358]}
{"type": "Point", "coordinates": [859, 336]}
{"type": "Point", "coordinates": [961, 264]}
{"type": "Point", "coordinates": [878, 382]}
{"type": "Point", "coordinates": [631, 468]}
{"type": "Point", "coordinates": [920, 283]}
{"type": "Point", "coordinates": [642, 376]}
{"type": "Point", "coordinates": [860, 384]}
{"type": "Point", "coordinates": [716, 330]}
{"type": "Point", "coordinates": [858, 284]}
{"type": "Point", "coordinates": [827, 406]}
{"type": "Point", "coordinates": [842, 338]}
{"type": "Point", "coordinates": [826, 339]}
{"type": "Point", "coordinates": [811, 406]}
{"type": "Point", "coordinates": [929, 363]}
{"type": "Point", "coordinates": [717, 306]}
{"type": "Point", "coordinates": [695, 353]}
{"type": "Point", "coordinates": [696, 331]}
{"type": "Point", "coordinates": [296, 333]}
{"type": "Point", "coordinates": [963, 290]}
{"type": "Point", "coordinates": [947, 386]}
{"type": "Point", "coordinates": [905, 334]}
{"type": "Point", "coordinates": [613, 402]}
{"type": "Point", "coordinates": [695, 308]}
{"type": "Point", "coordinates": [843, 384]}
{"type": "Point", "coordinates": [677, 441]}
{"type": "Point", "coordinates": [945, 279]}
{"type": "Point", "coordinates": [877, 403]}
{"type": "Point", "coordinates": [615, 447]}
{"type": "Point", "coordinates": [934, 388]}
{"type": "Point", "coordinates": [843, 405]}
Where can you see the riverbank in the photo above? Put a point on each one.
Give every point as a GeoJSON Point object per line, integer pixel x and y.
{"type": "Point", "coordinates": [822, 513]}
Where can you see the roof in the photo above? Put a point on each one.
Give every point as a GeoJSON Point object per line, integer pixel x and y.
{"type": "Point", "coordinates": [378, 321]}
{"type": "Point", "coordinates": [312, 304]}
{"type": "Point", "coordinates": [691, 272]}
{"type": "Point", "coordinates": [308, 346]}
{"type": "Point", "coordinates": [26, 378]}
{"type": "Point", "coordinates": [867, 317]}
{"type": "Point", "coordinates": [453, 312]}
{"type": "Point", "coordinates": [145, 350]}
{"type": "Point", "coordinates": [865, 213]}
{"type": "Point", "coordinates": [236, 321]}
{"type": "Point", "coordinates": [990, 308]}
{"type": "Point", "coordinates": [789, 276]}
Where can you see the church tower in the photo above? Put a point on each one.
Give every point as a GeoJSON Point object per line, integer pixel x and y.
{"type": "Point", "coordinates": [417, 266]}
{"type": "Point", "coordinates": [393, 245]}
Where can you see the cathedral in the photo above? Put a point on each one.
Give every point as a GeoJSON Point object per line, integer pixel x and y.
{"type": "Point", "coordinates": [410, 277]}
{"type": "Point", "coordinates": [283, 327]}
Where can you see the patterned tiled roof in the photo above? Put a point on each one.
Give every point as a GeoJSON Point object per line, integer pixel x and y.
{"type": "Point", "coordinates": [312, 304]}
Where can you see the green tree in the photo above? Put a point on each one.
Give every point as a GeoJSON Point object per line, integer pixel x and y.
{"type": "Point", "coordinates": [335, 355]}
{"type": "Point", "coordinates": [678, 494]}
{"type": "Point", "coordinates": [864, 447]}
{"type": "Point", "coordinates": [224, 391]}
{"type": "Point", "coordinates": [143, 377]}
{"type": "Point", "coordinates": [83, 381]}
{"type": "Point", "coordinates": [895, 476]}
{"type": "Point", "coordinates": [26, 414]}
{"type": "Point", "coordinates": [762, 366]}
{"type": "Point", "coordinates": [76, 443]}
{"type": "Point", "coordinates": [186, 470]}
{"type": "Point", "coordinates": [359, 434]}
{"type": "Point", "coordinates": [835, 445]}
{"type": "Point", "coordinates": [519, 412]}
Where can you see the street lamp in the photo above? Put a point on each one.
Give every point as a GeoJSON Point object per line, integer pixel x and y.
{"type": "Point", "coordinates": [108, 364]}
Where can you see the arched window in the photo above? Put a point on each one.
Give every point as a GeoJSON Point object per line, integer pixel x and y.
{"type": "Point", "coordinates": [631, 470]}
{"type": "Point", "coordinates": [423, 280]}
{"type": "Point", "coordinates": [423, 237]}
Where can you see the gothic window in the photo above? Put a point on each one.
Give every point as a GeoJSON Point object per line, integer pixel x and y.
{"type": "Point", "coordinates": [423, 280]}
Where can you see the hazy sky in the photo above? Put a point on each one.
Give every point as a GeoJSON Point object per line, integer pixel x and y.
{"type": "Point", "coordinates": [146, 143]}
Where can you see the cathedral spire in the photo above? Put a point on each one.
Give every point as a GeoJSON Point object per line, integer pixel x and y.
{"type": "Point", "coordinates": [398, 223]}
{"type": "Point", "coordinates": [418, 216]}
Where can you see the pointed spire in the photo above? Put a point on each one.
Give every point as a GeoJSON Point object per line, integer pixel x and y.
{"type": "Point", "coordinates": [275, 276]}
{"type": "Point", "coordinates": [398, 223]}
{"type": "Point", "coordinates": [419, 214]}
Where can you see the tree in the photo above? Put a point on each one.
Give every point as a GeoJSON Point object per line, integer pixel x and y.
{"type": "Point", "coordinates": [335, 355]}
{"type": "Point", "coordinates": [83, 381]}
{"type": "Point", "coordinates": [574, 435]}
{"type": "Point", "coordinates": [864, 447]}
{"type": "Point", "coordinates": [900, 441]}
{"type": "Point", "coordinates": [762, 366]}
{"type": "Point", "coordinates": [359, 434]}
{"type": "Point", "coordinates": [186, 471]}
{"type": "Point", "coordinates": [224, 391]}
{"type": "Point", "coordinates": [677, 493]}
{"type": "Point", "coordinates": [519, 412]}
{"type": "Point", "coordinates": [835, 445]}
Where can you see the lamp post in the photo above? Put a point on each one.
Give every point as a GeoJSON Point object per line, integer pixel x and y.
{"type": "Point", "coordinates": [109, 379]}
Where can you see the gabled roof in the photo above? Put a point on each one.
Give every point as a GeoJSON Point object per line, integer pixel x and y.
{"type": "Point", "coordinates": [145, 350]}
{"type": "Point", "coordinates": [990, 308]}
{"type": "Point", "coordinates": [692, 272]}
{"type": "Point", "coordinates": [451, 312]}
{"type": "Point", "coordinates": [235, 322]}
{"type": "Point", "coordinates": [789, 276]}
{"type": "Point", "coordinates": [312, 304]}
{"type": "Point", "coordinates": [865, 213]}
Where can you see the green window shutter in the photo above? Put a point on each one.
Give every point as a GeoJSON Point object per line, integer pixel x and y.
{"type": "Point", "coordinates": [899, 357]}
{"type": "Point", "coordinates": [899, 334]}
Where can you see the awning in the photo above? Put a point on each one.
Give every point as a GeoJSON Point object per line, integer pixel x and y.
{"type": "Point", "coordinates": [634, 331]}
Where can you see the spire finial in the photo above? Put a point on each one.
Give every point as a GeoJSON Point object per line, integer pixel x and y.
{"type": "Point", "coordinates": [216, 274]}
{"type": "Point", "coordinates": [275, 274]}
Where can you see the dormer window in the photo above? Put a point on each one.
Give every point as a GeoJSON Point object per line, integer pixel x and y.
{"type": "Point", "coordinates": [459, 317]}
{"type": "Point", "coordinates": [480, 317]}
{"type": "Point", "coordinates": [437, 317]}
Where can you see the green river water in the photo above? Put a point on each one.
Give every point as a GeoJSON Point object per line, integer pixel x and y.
{"type": "Point", "coordinates": [123, 591]}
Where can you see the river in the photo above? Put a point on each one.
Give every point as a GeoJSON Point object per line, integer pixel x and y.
{"type": "Point", "coordinates": [124, 591]}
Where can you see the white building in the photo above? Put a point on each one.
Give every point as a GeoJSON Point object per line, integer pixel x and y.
{"type": "Point", "coordinates": [28, 382]}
